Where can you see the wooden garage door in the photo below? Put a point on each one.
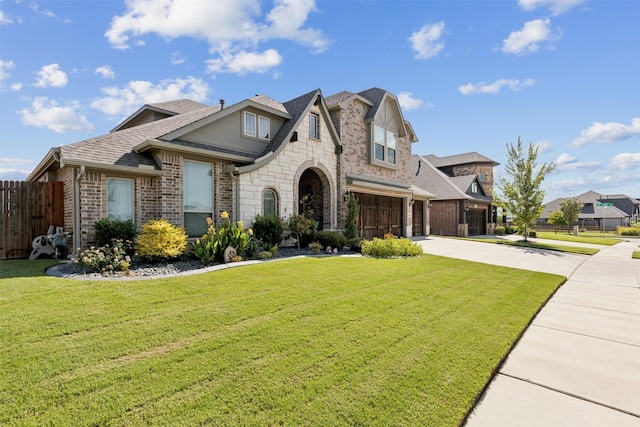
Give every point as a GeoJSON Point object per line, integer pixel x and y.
{"type": "Point", "coordinates": [379, 215]}
{"type": "Point", "coordinates": [477, 222]}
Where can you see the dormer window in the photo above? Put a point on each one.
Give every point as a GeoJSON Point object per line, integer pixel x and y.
{"type": "Point", "coordinates": [384, 145]}
{"type": "Point", "coordinates": [256, 126]}
{"type": "Point", "coordinates": [474, 187]}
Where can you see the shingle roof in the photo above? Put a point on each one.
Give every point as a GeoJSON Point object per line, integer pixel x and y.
{"type": "Point", "coordinates": [337, 98]}
{"type": "Point", "coordinates": [269, 102]}
{"type": "Point", "coordinates": [429, 178]}
{"type": "Point", "coordinates": [375, 95]}
{"type": "Point", "coordinates": [179, 106]}
{"type": "Point", "coordinates": [116, 148]}
{"type": "Point", "coordinates": [459, 159]}
{"type": "Point", "coordinates": [591, 210]}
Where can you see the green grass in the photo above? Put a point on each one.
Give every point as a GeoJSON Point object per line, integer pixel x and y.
{"type": "Point", "coordinates": [591, 238]}
{"type": "Point", "coordinates": [25, 268]}
{"type": "Point", "coordinates": [635, 254]}
{"type": "Point", "coordinates": [534, 245]}
{"type": "Point", "coordinates": [312, 341]}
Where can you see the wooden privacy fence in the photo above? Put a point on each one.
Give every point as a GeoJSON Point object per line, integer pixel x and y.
{"type": "Point", "coordinates": [27, 209]}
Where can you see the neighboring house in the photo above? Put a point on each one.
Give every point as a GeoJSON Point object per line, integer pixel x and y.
{"type": "Point", "coordinates": [462, 186]}
{"type": "Point", "coordinates": [614, 209]}
{"type": "Point", "coordinates": [185, 161]}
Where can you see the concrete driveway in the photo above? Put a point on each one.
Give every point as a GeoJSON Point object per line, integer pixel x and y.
{"type": "Point", "coordinates": [578, 363]}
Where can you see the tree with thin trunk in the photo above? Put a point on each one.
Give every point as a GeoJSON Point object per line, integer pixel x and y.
{"type": "Point", "coordinates": [571, 209]}
{"type": "Point", "coordinates": [520, 194]}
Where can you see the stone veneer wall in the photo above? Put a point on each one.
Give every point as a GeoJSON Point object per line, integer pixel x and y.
{"type": "Point", "coordinates": [476, 169]}
{"type": "Point", "coordinates": [283, 173]}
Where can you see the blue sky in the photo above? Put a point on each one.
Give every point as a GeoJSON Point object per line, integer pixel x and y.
{"type": "Point", "coordinates": [470, 75]}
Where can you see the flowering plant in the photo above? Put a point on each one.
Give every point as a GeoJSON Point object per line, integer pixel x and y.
{"type": "Point", "coordinates": [212, 245]}
{"type": "Point", "coordinates": [105, 259]}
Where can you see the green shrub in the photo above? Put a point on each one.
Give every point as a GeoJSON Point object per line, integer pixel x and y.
{"type": "Point", "coordinates": [500, 230]}
{"type": "Point", "coordinates": [109, 229]}
{"type": "Point", "coordinates": [316, 247]}
{"type": "Point", "coordinates": [355, 244]}
{"type": "Point", "coordinates": [268, 229]}
{"type": "Point", "coordinates": [161, 241]}
{"type": "Point", "coordinates": [331, 238]}
{"type": "Point", "coordinates": [303, 229]}
{"type": "Point", "coordinates": [628, 231]}
{"type": "Point", "coordinates": [392, 247]}
{"type": "Point", "coordinates": [104, 259]}
{"type": "Point", "coordinates": [265, 255]}
{"type": "Point", "coordinates": [213, 244]}
{"type": "Point", "coordinates": [353, 211]}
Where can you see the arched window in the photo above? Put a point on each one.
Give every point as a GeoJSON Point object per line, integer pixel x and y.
{"type": "Point", "coordinates": [269, 202]}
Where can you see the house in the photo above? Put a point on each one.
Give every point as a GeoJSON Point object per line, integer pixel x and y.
{"type": "Point", "coordinates": [599, 210]}
{"type": "Point", "coordinates": [462, 188]}
{"type": "Point", "coordinates": [185, 161]}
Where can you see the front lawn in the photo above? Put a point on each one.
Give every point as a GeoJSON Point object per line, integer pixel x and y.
{"type": "Point", "coordinates": [583, 237]}
{"type": "Point", "coordinates": [312, 341]}
{"type": "Point", "coordinates": [531, 243]}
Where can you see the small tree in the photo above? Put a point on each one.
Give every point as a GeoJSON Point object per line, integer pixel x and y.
{"type": "Point", "coordinates": [522, 195]}
{"type": "Point", "coordinates": [353, 210]}
{"type": "Point", "coordinates": [299, 225]}
{"type": "Point", "coordinates": [571, 209]}
{"type": "Point", "coordinates": [557, 219]}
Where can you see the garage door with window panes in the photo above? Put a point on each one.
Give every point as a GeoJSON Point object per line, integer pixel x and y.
{"type": "Point", "coordinates": [476, 218]}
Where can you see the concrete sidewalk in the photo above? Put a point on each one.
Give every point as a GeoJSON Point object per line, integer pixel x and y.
{"type": "Point", "coordinates": [578, 363]}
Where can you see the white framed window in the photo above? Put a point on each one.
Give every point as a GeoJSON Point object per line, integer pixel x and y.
{"type": "Point", "coordinates": [384, 145]}
{"type": "Point", "coordinates": [314, 126]}
{"type": "Point", "coordinates": [249, 124]}
{"type": "Point", "coordinates": [256, 126]}
{"type": "Point", "coordinates": [197, 197]}
{"type": "Point", "coordinates": [120, 199]}
{"type": "Point", "coordinates": [269, 202]}
{"type": "Point", "coordinates": [474, 187]}
{"type": "Point", "coordinates": [265, 127]}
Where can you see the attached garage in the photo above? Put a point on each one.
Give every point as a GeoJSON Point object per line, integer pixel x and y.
{"type": "Point", "coordinates": [380, 215]}
{"type": "Point", "coordinates": [477, 220]}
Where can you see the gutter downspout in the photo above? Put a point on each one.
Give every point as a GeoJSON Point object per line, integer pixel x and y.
{"type": "Point", "coordinates": [77, 223]}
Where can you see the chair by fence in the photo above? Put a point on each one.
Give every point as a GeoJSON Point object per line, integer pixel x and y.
{"type": "Point", "coordinates": [27, 209]}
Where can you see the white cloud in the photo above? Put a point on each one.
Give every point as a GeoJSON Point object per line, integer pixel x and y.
{"type": "Point", "coordinates": [15, 169]}
{"type": "Point", "coordinates": [122, 101]}
{"type": "Point", "coordinates": [106, 72]}
{"type": "Point", "coordinates": [15, 86]}
{"type": "Point", "coordinates": [625, 161]}
{"type": "Point", "coordinates": [178, 58]}
{"type": "Point", "coordinates": [544, 146]}
{"type": "Point", "coordinates": [4, 19]}
{"type": "Point", "coordinates": [36, 8]}
{"type": "Point", "coordinates": [427, 42]}
{"type": "Point", "coordinates": [245, 62]}
{"type": "Point", "coordinates": [46, 113]}
{"type": "Point", "coordinates": [529, 38]}
{"type": "Point", "coordinates": [5, 67]}
{"type": "Point", "coordinates": [51, 75]}
{"type": "Point", "coordinates": [231, 27]}
{"type": "Point", "coordinates": [408, 102]}
{"type": "Point", "coordinates": [495, 87]}
{"type": "Point", "coordinates": [607, 132]}
{"type": "Point", "coordinates": [567, 162]}
{"type": "Point", "coordinates": [557, 7]}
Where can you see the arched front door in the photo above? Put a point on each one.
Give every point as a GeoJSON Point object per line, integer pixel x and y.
{"type": "Point", "coordinates": [313, 197]}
